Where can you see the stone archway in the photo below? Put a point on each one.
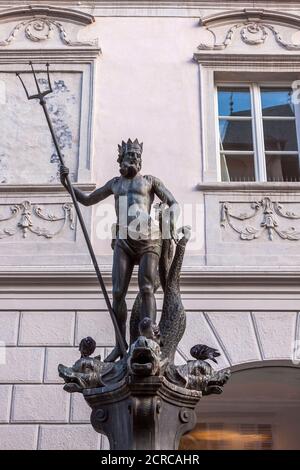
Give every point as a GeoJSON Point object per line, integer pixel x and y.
{"type": "Point", "coordinates": [244, 337]}
{"type": "Point", "coordinates": [259, 409]}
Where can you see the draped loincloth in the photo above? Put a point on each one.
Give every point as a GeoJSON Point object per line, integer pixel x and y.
{"type": "Point", "coordinates": [137, 248]}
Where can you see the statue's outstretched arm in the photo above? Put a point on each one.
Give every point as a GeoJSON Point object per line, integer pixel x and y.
{"type": "Point", "coordinates": [92, 198]}
{"type": "Point", "coordinates": [96, 196]}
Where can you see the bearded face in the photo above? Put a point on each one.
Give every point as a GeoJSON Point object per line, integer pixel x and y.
{"type": "Point", "coordinates": [131, 164]}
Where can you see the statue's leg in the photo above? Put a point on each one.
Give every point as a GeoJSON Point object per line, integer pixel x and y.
{"type": "Point", "coordinates": [147, 275]}
{"type": "Point", "coordinates": [121, 274]}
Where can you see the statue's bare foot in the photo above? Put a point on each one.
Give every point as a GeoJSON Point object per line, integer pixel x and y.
{"type": "Point", "coordinates": [114, 355]}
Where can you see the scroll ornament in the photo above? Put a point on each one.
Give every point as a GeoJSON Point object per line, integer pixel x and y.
{"type": "Point", "coordinates": [270, 213]}
{"type": "Point", "coordinates": [251, 33]}
{"type": "Point", "coordinates": [24, 215]}
{"type": "Point", "coordinates": [41, 29]}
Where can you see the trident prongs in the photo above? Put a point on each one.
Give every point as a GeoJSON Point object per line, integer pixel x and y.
{"type": "Point", "coordinates": [40, 94]}
{"type": "Point", "coordinates": [20, 78]}
{"type": "Point", "coordinates": [48, 77]}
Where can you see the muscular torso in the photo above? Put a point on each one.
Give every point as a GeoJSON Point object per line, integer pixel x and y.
{"type": "Point", "coordinates": [137, 193]}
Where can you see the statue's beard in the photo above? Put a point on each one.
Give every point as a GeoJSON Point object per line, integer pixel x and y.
{"type": "Point", "coordinates": [128, 170]}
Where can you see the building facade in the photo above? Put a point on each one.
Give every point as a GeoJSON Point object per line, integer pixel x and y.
{"type": "Point", "coordinates": [211, 88]}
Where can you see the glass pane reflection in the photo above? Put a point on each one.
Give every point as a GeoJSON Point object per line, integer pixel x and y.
{"type": "Point", "coordinates": [282, 167]}
{"type": "Point", "coordinates": [280, 135]}
{"type": "Point", "coordinates": [277, 102]}
{"type": "Point", "coordinates": [236, 135]}
{"type": "Point", "coordinates": [237, 167]}
{"type": "Point", "coordinates": [234, 101]}
{"type": "Point", "coordinates": [228, 436]}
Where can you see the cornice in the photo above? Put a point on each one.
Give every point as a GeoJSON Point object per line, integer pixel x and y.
{"type": "Point", "coordinates": [249, 187]}
{"type": "Point", "coordinates": [83, 279]}
{"type": "Point", "coordinates": [153, 8]}
{"type": "Point", "coordinates": [285, 62]}
{"type": "Point", "coordinates": [42, 188]}
{"type": "Point", "coordinates": [155, 3]}
{"type": "Point", "coordinates": [251, 14]}
{"type": "Point", "coordinates": [46, 11]}
{"type": "Point", "coordinates": [55, 56]}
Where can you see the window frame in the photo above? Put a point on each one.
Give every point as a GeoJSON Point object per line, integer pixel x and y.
{"type": "Point", "coordinates": [257, 119]}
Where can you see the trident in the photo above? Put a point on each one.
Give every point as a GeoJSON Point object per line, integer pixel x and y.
{"type": "Point", "coordinates": [41, 97]}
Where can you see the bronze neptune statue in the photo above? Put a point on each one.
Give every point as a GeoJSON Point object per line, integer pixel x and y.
{"type": "Point", "coordinates": [134, 194]}
{"type": "Point", "coordinates": [143, 400]}
{"type": "Point", "coordinates": [159, 395]}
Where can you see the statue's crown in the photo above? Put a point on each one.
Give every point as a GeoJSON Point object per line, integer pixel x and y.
{"type": "Point", "coordinates": [130, 146]}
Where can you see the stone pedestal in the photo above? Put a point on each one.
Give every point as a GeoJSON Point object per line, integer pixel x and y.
{"type": "Point", "coordinates": [147, 413]}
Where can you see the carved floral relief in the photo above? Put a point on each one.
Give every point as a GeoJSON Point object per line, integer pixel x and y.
{"type": "Point", "coordinates": [40, 29]}
{"type": "Point", "coordinates": [251, 33]}
{"type": "Point", "coordinates": [26, 218]}
{"type": "Point", "coordinates": [264, 216]}
{"type": "Point", "coordinates": [254, 25]}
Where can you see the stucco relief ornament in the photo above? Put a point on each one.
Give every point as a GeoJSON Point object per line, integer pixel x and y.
{"type": "Point", "coordinates": [40, 29]}
{"type": "Point", "coordinates": [269, 213]}
{"type": "Point", "coordinates": [27, 221]}
{"type": "Point", "coordinates": [252, 33]}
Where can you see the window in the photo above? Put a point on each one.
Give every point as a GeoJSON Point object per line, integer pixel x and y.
{"type": "Point", "coordinates": [258, 133]}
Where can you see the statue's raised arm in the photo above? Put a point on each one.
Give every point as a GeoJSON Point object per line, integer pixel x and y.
{"type": "Point", "coordinates": [162, 192]}
{"type": "Point", "coordinates": [167, 197]}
